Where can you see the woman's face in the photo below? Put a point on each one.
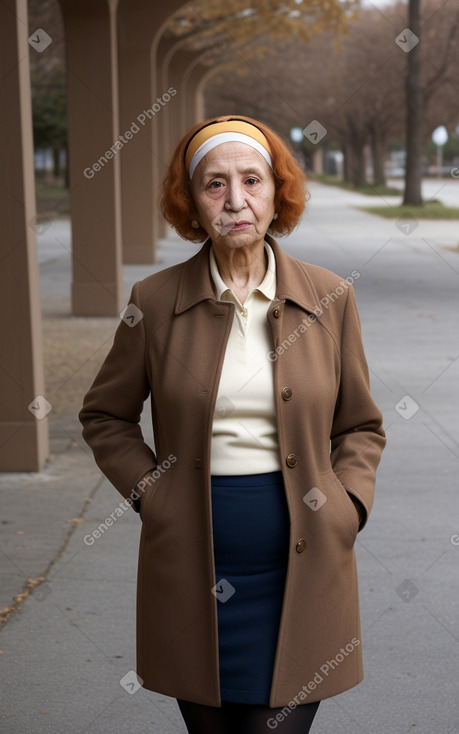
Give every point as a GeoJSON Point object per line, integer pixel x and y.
{"type": "Point", "coordinates": [233, 190]}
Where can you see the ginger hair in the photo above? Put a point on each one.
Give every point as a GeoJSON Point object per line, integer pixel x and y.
{"type": "Point", "coordinates": [177, 204]}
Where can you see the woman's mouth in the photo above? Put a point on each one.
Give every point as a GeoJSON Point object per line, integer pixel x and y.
{"type": "Point", "coordinates": [240, 225]}
{"type": "Point", "coordinates": [223, 224]}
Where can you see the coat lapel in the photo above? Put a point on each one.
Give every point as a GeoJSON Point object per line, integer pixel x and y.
{"type": "Point", "coordinates": [293, 280]}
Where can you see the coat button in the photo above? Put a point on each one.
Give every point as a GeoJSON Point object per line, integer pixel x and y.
{"type": "Point", "coordinates": [287, 393]}
{"type": "Point", "coordinates": [301, 545]}
{"type": "Point", "coordinates": [291, 460]}
{"type": "Point", "coordinates": [276, 313]}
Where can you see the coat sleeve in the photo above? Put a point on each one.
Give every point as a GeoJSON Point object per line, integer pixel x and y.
{"type": "Point", "coordinates": [113, 405]}
{"type": "Point", "coordinates": [357, 437]}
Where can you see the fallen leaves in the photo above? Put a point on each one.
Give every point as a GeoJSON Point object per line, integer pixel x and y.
{"type": "Point", "coordinates": [30, 584]}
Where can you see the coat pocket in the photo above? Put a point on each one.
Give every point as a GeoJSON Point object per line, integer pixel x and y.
{"type": "Point", "coordinates": [348, 505]}
{"type": "Point", "coordinates": [340, 506]}
{"type": "Point", "coordinates": [150, 490]}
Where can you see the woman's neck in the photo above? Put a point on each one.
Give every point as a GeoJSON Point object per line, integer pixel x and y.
{"type": "Point", "coordinates": [242, 268]}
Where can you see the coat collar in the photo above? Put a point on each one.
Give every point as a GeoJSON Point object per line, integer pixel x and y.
{"type": "Point", "coordinates": [293, 280]}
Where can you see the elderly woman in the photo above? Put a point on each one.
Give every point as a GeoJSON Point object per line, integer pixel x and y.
{"type": "Point", "coordinates": [266, 443]}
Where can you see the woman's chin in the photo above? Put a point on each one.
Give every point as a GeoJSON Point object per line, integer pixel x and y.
{"type": "Point", "coordinates": [240, 238]}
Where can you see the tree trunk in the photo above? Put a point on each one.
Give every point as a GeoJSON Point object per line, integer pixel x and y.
{"type": "Point", "coordinates": [358, 163]}
{"type": "Point", "coordinates": [56, 162]}
{"type": "Point", "coordinates": [347, 162]}
{"type": "Point", "coordinates": [67, 167]}
{"type": "Point", "coordinates": [414, 113]}
{"type": "Point", "coordinates": [378, 155]}
{"type": "Point", "coordinates": [354, 160]}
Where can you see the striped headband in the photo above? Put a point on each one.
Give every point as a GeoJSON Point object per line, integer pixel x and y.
{"type": "Point", "coordinates": [217, 133]}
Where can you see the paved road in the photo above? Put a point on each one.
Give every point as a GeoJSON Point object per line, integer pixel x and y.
{"type": "Point", "coordinates": [67, 648]}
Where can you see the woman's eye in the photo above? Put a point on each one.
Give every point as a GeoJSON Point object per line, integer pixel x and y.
{"type": "Point", "coordinates": [252, 181]}
{"type": "Point", "coordinates": [215, 185]}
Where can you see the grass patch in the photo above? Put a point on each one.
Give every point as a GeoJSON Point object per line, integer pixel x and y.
{"type": "Point", "coordinates": [430, 210]}
{"type": "Point", "coordinates": [51, 200]}
{"type": "Point", "coordinates": [50, 192]}
{"type": "Point", "coordinates": [367, 189]}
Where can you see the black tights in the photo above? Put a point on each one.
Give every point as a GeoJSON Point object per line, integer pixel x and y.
{"type": "Point", "coordinates": [241, 718]}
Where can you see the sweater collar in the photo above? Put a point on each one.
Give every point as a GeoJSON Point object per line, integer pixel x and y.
{"type": "Point", "coordinates": [267, 287]}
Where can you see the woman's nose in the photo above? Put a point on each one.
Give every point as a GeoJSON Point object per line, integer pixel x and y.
{"type": "Point", "coordinates": [235, 197]}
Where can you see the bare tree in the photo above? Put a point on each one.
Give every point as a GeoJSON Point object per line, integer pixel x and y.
{"type": "Point", "coordinates": [414, 111]}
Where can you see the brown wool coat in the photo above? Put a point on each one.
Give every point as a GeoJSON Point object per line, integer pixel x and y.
{"type": "Point", "coordinates": [331, 438]}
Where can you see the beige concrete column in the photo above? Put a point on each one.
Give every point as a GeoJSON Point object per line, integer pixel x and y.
{"type": "Point", "coordinates": [174, 64]}
{"type": "Point", "coordinates": [163, 49]}
{"type": "Point", "coordinates": [23, 422]}
{"type": "Point", "coordinates": [176, 68]}
{"type": "Point", "coordinates": [142, 103]}
{"type": "Point", "coordinates": [199, 107]}
{"type": "Point", "coordinates": [94, 147]}
{"type": "Point", "coordinates": [194, 92]}
{"type": "Point", "coordinates": [200, 87]}
{"type": "Point", "coordinates": [161, 131]}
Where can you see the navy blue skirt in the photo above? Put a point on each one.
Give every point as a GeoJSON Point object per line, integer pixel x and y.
{"type": "Point", "coordinates": [251, 539]}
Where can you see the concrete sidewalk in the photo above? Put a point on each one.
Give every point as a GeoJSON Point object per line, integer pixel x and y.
{"type": "Point", "coordinates": [70, 638]}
